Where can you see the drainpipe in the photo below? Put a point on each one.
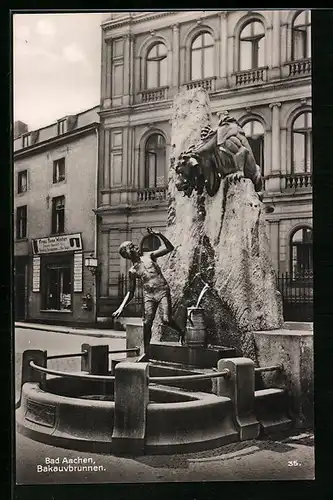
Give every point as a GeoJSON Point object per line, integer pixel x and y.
{"type": "Point", "coordinates": [96, 277]}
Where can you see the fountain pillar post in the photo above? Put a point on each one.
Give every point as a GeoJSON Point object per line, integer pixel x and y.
{"type": "Point", "coordinates": [239, 387]}
{"type": "Point", "coordinates": [131, 396]}
{"type": "Point", "coordinates": [39, 357]}
{"type": "Point", "coordinates": [95, 359]}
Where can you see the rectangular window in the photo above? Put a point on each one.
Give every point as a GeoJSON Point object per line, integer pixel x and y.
{"type": "Point", "coordinates": [152, 74]}
{"type": "Point", "coordinates": [245, 55]}
{"type": "Point", "coordinates": [299, 153]}
{"type": "Point", "coordinates": [117, 84]}
{"type": "Point", "coordinates": [26, 140]}
{"type": "Point", "coordinates": [59, 170]}
{"type": "Point", "coordinates": [58, 215]}
{"type": "Point", "coordinates": [61, 127]}
{"type": "Point", "coordinates": [208, 69]}
{"type": "Point", "coordinates": [57, 284]}
{"type": "Point", "coordinates": [21, 222]}
{"type": "Point", "coordinates": [22, 181]}
{"type": "Point", "coordinates": [196, 64]}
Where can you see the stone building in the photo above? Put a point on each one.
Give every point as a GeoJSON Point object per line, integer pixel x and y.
{"type": "Point", "coordinates": [256, 65]}
{"type": "Point", "coordinates": [55, 171]}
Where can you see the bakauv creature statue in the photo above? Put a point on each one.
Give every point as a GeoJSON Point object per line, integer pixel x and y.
{"type": "Point", "coordinates": [156, 291]}
{"type": "Point", "coordinates": [223, 152]}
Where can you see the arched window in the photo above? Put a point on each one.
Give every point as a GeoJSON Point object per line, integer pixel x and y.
{"type": "Point", "coordinates": [202, 57]}
{"type": "Point", "coordinates": [302, 143]}
{"type": "Point", "coordinates": [301, 254]}
{"type": "Point", "coordinates": [254, 132]}
{"type": "Point", "coordinates": [155, 161]}
{"type": "Point", "coordinates": [156, 66]}
{"type": "Point", "coordinates": [150, 243]}
{"type": "Point", "coordinates": [252, 46]}
{"type": "Point", "coordinates": [301, 36]}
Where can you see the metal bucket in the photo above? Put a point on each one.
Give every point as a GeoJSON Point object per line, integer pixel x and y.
{"type": "Point", "coordinates": [195, 335]}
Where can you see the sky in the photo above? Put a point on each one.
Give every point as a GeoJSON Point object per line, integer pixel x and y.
{"type": "Point", "coordinates": [56, 65]}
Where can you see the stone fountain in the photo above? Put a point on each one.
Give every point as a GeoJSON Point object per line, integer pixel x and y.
{"type": "Point", "coordinates": [220, 243]}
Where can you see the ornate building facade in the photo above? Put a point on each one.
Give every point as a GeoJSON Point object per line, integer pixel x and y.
{"type": "Point", "coordinates": [55, 171]}
{"type": "Point", "coordinates": [254, 64]}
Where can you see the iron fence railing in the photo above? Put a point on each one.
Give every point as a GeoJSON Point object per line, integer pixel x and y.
{"type": "Point", "coordinates": [297, 295]}
{"type": "Point", "coordinates": [296, 290]}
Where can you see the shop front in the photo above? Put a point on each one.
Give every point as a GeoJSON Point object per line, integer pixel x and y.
{"type": "Point", "coordinates": [60, 282]}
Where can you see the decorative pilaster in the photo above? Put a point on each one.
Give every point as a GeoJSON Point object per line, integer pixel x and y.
{"type": "Point", "coordinates": [127, 69]}
{"type": "Point", "coordinates": [276, 40]}
{"type": "Point", "coordinates": [175, 55]}
{"type": "Point", "coordinates": [275, 47]}
{"type": "Point", "coordinates": [131, 58]}
{"type": "Point", "coordinates": [107, 152]}
{"type": "Point", "coordinates": [108, 70]}
{"type": "Point", "coordinates": [224, 48]}
{"type": "Point", "coordinates": [284, 150]}
{"type": "Point", "coordinates": [274, 180]}
{"type": "Point", "coordinates": [275, 107]}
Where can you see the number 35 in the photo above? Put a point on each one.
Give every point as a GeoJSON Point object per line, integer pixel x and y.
{"type": "Point", "coordinates": [293, 463]}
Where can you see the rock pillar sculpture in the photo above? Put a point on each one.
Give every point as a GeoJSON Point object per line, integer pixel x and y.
{"type": "Point", "coordinates": [219, 240]}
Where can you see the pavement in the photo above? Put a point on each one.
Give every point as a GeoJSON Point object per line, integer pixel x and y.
{"type": "Point", "coordinates": [91, 332]}
{"type": "Point", "coordinates": [290, 458]}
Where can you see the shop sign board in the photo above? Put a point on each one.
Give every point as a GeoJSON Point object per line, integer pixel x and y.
{"type": "Point", "coordinates": [61, 243]}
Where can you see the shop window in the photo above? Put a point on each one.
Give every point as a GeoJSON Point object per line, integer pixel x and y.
{"type": "Point", "coordinates": [58, 215]}
{"type": "Point", "coordinates": [150, 243]}
{"type": "Point", "coordinates": [302, 143]}
{"type": "Point", "coordinates": [59, 170]}
{"type": "Point", "coordinates": [22, 181]}
{"type": "Point", "coordinates": [301, 254]}
{"type": "Point", "coordinates": [155, 161]}
{"type": "Point", "coordinates": [156, 67]}
{"type": "Point", "coordinates": [57, 280]}
{"type": "Point", "coordinates": [21, 222]}
{"type": "Point", "coordinates": [252, 46]}
{"type": "Point", "coordinates": [254, 132]}
{"type": "Point", "coordinates": [301, 36]}
{"type": "Point", "coordinates": [202, 57]}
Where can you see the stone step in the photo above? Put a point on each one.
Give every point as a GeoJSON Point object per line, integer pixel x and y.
{"type": "Point", "coordinates": [272, 410]}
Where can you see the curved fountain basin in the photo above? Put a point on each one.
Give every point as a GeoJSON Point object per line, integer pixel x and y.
{"type": "Point", "coordinates": [64, 415]}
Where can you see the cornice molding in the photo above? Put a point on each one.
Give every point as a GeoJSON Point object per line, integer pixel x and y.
{"type": "Point", "coordinates": [114, 23]}
{"type": "Point", "coordinates": [37, 147]}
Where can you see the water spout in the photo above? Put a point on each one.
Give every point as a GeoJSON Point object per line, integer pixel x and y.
{"type": "Point", "coordinates": [202, 293]}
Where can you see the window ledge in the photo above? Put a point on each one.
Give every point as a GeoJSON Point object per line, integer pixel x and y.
{"type": "Point", "coordinates": [66, 311]}
{"type": "Point", "coordinates": [59, 183]}
{"type": "Point", "coordinates": [21, 239]}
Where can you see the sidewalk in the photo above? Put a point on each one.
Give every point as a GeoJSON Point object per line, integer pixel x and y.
{"type": "Point", "coordinates": [91, 332]}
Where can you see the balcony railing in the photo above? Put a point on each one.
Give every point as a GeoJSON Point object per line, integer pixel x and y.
{"type": "Point", "coordinates": [152, 95]}
{"type": "Point", "coordinates": [152, 194]}
{"type": "Point", "coordinates": [302, 67]}
{"type": "Point", "coordinates": [207, 84]}
{"type": "Point", "coordinates": [251, 76]}
{"type": "Point", "coordinates": [298, 181]}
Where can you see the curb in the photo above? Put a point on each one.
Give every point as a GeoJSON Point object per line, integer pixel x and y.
{"type": "Point", "coordinates": [72, 331]}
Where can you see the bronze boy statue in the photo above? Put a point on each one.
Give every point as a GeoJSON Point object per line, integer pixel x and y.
{"type": "Point", "coordinates": [156, 291]}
